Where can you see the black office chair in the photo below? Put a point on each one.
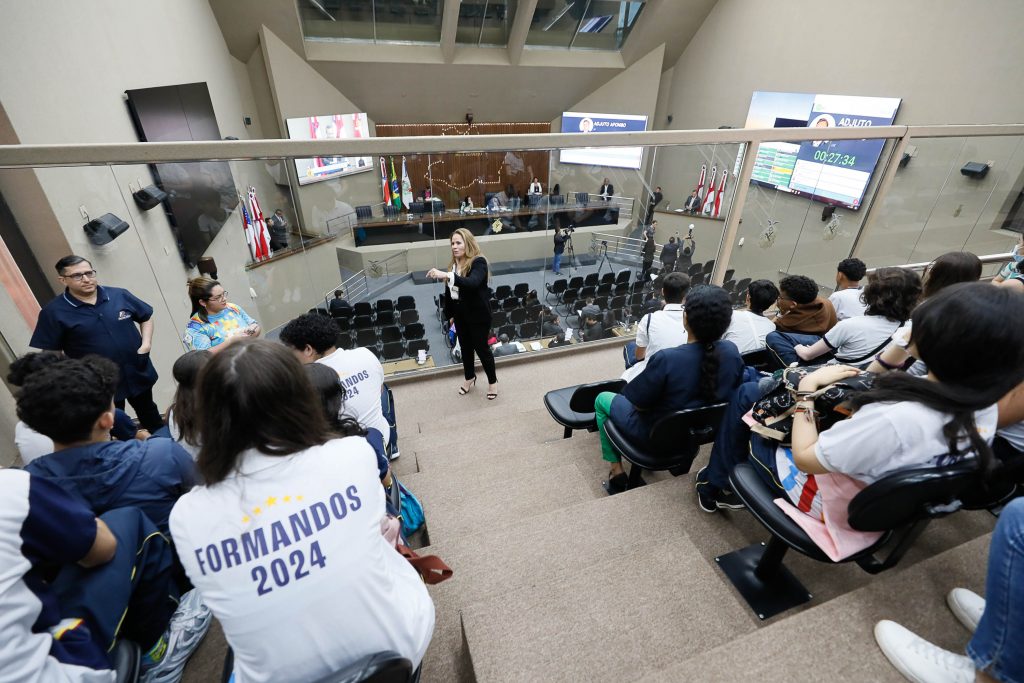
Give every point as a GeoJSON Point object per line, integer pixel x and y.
{"type": "Point", "coordinates": [672, 444]}
{"type": "Point", "coordinates": [582, 198]}
{"type": "Point", "coordinates": [699, 279]}
{"type": "Point", "coordinates": [899, 506]}
{"type": "Point", "coordinates": [367, 338]}
{"type": "Point", "coordinates": [409, 316]}
{"type": "Point", "coordinates": [390, 334]}
{"type": "Point", "coordinates": [510, 303]}
{"type": "Point", "coordinates": [709, 266]}
{"type": "Point", "coordinates": [342, 312]}
{"type": "Point", "coordinates": [344, 324]}
{"type": "Point", "coordinates": [601, 302]}
{"type": "Point", "coordinates": [509, 330]}
{"type": "Point", "coordinates": [576, 282]}
{"type": "Point", "coordinates": [592, 280]}
{"type": "Point", "coordinates": [569, 298]}
{"type": "Point", "coordinates": [729, 286]}
{"type": "Point", "coordinates": [390, 210]}
{"type": "Point", "coordinates": [414, 331]}
{"type": "Point", "coordinates": [533, 310]}
{"type": "Point", "coordinates": [363, 212]}
{"type": "Point", "coordinates": [436, 206]}
{"type": "Point", "coordinates": [503, 292]}
{"type": "Point", "coordinates": [608, 278]}
{"type": "Point", "coordinates": [362, 308]}
{"type": "Point", "coordinates": [555, 289]}
{"type": "Point", "coordinates": [415, 346]}
{"type": "Point", "coordinates": [392, 351]}
{"type": "Point", "coordinates": [620, 288]}
{"type": "Point", "coordinates": [384, 305]}
{"type": "Point", "coordinates": [499, 318]}
{"type": "Point", "coordinates": [362, 322]}
{"type": "Point", "coordinates": [573, 407]}
{"type": "Point", "coordinates": [405, 302]}
{"type": "Point", "coordinates": [588, 292]}
{"type": "Point", "coordinates": [521, 289]}
{"type": "Point", "coordinates": [416, 207]}
{"type": "Point", "coordinates": [741, 286]}
{"type": "Point", "coordinates": [517, 316]}
{"type": "Point", "coordinates": [604, 289]}
{"type": "Point", "coordinates": [529, 330]}
{"type": "Point", "coordinates": [384, 318]}
{"type": "Point", "coordinates": [617, 302]}
{"type": "Point", "coordinates": [623, 276]}
{"type": "Point", "coordinates": [763, 360]}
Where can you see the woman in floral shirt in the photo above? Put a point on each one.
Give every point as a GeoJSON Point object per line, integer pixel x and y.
{"type": "Point", "coordinates": [215, 323]}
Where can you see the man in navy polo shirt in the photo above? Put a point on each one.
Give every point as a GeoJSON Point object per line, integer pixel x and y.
{"type": "Point", "coordinates": [106, 321]}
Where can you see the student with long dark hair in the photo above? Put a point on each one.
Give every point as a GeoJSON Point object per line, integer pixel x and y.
{"type": "Point", "coordinates": [705, 370]}
{"type": "Point", "coordinates": [906, 421]}
{"type": "Point", "coordinates": [182, 417]}
{"type": "Point", "coordinates": [284, 540]}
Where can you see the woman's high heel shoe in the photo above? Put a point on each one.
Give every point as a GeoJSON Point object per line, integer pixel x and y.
{"type": "Point", "coordinates": [463, 390]}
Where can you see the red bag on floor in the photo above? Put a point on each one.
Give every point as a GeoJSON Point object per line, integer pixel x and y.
{"type": "Point", "coordinates": [431, 568]}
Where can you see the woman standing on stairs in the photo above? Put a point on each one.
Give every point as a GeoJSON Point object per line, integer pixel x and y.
{"type": "Point", "coordinates": [467, 306]}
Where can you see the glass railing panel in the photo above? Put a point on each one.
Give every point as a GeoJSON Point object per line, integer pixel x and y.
{"type": "Point", "coordinates": [485, 22]}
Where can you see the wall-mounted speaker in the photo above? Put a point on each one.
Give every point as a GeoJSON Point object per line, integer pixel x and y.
{"type": "Point", "coordinates": [105, 229]}
{"type": "Point", "coordinates": [975, 169]}
{"type": "Point", "coordinates": [904, 160]}
{"type": "Point", "coordinates": [149, 196]}
{"type": "Point", "coordinates": [827, 212]}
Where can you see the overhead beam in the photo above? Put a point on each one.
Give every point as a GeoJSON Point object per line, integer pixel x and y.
{"type": "Point", "coordinates": [449, 25]}
{"type": "Point", "coordinates": [520, 30]}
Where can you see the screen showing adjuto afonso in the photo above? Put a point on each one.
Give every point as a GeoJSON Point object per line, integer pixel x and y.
{"type": "Point", "coordinates": [590, 124]}
{"type": "Point", "coordinates": [331, 127]}
{"type": "Point", "coordinates": [834, 172]}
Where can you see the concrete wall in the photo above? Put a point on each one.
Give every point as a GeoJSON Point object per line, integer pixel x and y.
{"type": "Point", "coordinates": [70, 88]}
{"type": "Point", "coordinates": [944, 59]}
{"type": "Point", "coordinates": [634, 91]}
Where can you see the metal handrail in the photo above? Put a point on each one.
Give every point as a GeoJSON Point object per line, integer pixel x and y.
{"type": "Point", "coordinates": [354, 288]}
{"type": "Point", "coordinates": [987, 259]}
{"type": "Point", "coordinates": [377, 268]}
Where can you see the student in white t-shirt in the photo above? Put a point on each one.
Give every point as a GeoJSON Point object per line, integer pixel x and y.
{"type": "Point", "coordinates": [847, 298]}
{"type": "Point", "coordinates": [905, 421]}
{"type": "Point", "coordinates": [312, 338]}
{"type": "Point", "coordinates": [284, 541]}
{"type": "Point", "coordinates": [661, 329]}
{"type": "Point", "coordinates": [890, 295]}
{"type": "Point", "coordinates": [749, 327]}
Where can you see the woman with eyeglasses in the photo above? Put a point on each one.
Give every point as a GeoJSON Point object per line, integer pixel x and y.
{"type": "Point", "coordinates": [215, 323]}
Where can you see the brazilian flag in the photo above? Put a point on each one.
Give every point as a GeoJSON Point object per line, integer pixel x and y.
{"type": "Point", "coordinates": [396, 189]}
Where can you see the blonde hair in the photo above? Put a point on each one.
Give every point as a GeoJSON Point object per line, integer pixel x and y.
{"type": "Point", "coordinates": [472, 251]}
{"type": "Point", "coordinates": [200, 287]}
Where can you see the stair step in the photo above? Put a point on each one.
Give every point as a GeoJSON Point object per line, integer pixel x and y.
{"type": "Point", "coordinates": [637, 611]}
{"type": "Point", "coordinates": [839, 633]}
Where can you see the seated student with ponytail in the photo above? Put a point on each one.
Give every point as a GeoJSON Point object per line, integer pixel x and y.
{"type": "Point", "coordinates": [703, 371]}
{"type": "Point", "coordinates": [890, 296]}
{"type": "Point", "coordinates": [904, 421]}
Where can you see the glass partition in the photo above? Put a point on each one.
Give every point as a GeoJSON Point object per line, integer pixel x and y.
{"type": "Point", "coordinates": [938, 203]}
{"type": "Point", "coordinates": [404, 21]}
{"type": "Point", "coordinates": [485, 22]}
{"type": "Point", "coordinates": [583, 24]}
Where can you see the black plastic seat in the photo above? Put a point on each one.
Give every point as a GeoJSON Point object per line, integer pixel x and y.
{"type": "Point", "coordinates": [604, 289]}
{"type": "Point", "coordinates": [385, 318]}
{"type": "Point", "coordinates": [510, 303]}
{"type": "Point", "coordinates": [392, 350]}
{"type": "Point", "coordinates": [569, 298]}
{"type": "Point", "coordinates": [741, 286]}
{"type": "Point", "coordinates": [503, 292]}
{"type": "Point", "coordinates": [499, 318]}
{"type": "Point", "coordinates": [384, 305]}
{"type": "Point", "coordinates": [555, 288]}
{"type": "Point", "coordinates": [588, 291]}
{"type": "Point", "coordinates": [417, 345]}
{"type": "Point", "coordinates": [362, 322]}
{"type": "Point", "coordinates": [529, 330]}
{"type": "Point", "coordinates": [405, 302]}
{"type": "Point", "coordinates": [763, 360]}
{"type": "Point", "coordinates": [362, 308]}
{"type": "Point", "coordinates": [390, 334]}
{"type": "Point", "coordinates": [409, 316]}
{"type": "Point", "coordinates": [573, 407]}
{"type": "Point", "coordinates": [623, 276]}
{"type": "Point", "coordinates": [344, 341]}
{"type": "Point", "coordinates": [521, 289]}
{"type": "Point", "coordinates": [673, 442]}
{"type": "Point", "coordinates": [508, 330]}
{"type": "Point", "coordinates": [517, 316]}
{"type": "Point", "coordinates": [899, 506]}
{"type": "Point", "coordinates": [414, 331]}
{"type": "Point", "coordinates": [609, 278]}
{"type": "Point", "coordinates": [367, 338]}
{"type": "Point", "coordinates": [618, 301]}
{"type": "Point", "coordinates": [575, 282]}
{"type": "Point", "coordinates": [363, 212]}
{"type": "Point", "coordinates": [591, 280]}
{"type": "Point", "coordinates": [344, 324]}
{"type": "Point", "coordinates": [695, 269]}
{"type": "Point", "coordinates": [342, 312]}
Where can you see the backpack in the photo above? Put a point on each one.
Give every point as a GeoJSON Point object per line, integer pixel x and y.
{"type": "Point", "coordinates": [411, 512]}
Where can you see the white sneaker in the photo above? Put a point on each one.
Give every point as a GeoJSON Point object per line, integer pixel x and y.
{"type": "Point", "coordinates": [967, 606]}
{"type": "Point", "coordinates": [918, 660]}
{"type": "Point", "coordinates": [188, 627]}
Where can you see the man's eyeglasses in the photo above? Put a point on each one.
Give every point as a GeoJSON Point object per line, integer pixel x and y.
{"type": "Point", "coordinates": [219, 297]}
{"type": "Point", "coordinates": [77, 277]}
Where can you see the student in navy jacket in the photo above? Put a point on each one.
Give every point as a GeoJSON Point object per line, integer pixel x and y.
{"type": "Point", "coordinates": [703, 371]}
{"type": "Point", "coordinates": [72, 403]}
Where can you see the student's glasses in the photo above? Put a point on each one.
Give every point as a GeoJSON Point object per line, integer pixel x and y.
{"type": "Point", "coordinates": [220, 297]}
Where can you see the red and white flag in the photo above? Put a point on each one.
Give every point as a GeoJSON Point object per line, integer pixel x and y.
{"type": "Point", "coordinates": [700, 183]}
{"type": "Point", "coordinates": [260, 233]}
{"type": "Point", "coordinates": [247, 228]}
{"type": "Point", "coordinates": [314, 130]}
{"type": "Point", "coordinates": [384, 182]}
{"type": "Point", "coordinates": [718, 195]}
{"type": "Point", "coordinates": [709, 200]}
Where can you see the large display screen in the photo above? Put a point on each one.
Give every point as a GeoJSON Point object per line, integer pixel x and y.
{"type": "Point", "coordinates": [834, 172]}
{"type": "Point", "coordinates": [616, 157]}
{"type": "Point", "coordinates": [331, 127]}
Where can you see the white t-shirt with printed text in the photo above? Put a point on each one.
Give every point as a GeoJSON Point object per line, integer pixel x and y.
{"type": "Point", "coordinates": [362, 376]}
{"type": "Point", "coordinates": [289, 556]}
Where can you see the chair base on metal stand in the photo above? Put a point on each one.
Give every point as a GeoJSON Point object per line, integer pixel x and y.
{"type": "Point", "coordinates": [760, 577]}
{"type": "Point", "coordinates": [573, 407]}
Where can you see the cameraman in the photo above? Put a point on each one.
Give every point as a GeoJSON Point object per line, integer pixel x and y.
{"type": "Point", "coordinates": [560, 237]}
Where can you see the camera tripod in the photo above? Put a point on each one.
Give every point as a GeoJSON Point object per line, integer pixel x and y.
{"type": "Point", "coordinates": [570, 253]}
{"type": "Point", "coordinates": [602, 257]}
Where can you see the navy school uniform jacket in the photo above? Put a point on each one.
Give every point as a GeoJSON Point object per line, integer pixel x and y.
{"type": "Point", "coordinates": [671, 382]}
{"type": "Point", "coordinates": [150, 475]}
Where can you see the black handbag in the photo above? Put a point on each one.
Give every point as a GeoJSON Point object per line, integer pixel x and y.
{"type": "Point", "coordinates": [774, 411]}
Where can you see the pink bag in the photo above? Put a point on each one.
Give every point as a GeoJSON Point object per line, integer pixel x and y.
{"type": "Point", "coordinates": [834, 535]}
